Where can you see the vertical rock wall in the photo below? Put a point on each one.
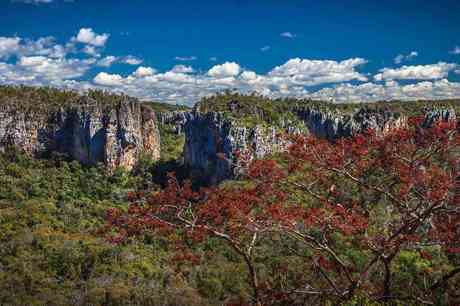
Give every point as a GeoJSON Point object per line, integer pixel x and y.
{"type": "Point", "coordinates": [89, 132]}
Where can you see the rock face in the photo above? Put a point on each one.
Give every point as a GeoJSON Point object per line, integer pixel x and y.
{"type": "Point", "coordinates": [176, 118]}
{"type": "Point", "coordinates": [216, 146]}
{"type": "Point", "coordinates": [89, 132]}
{"type": "Point", "coordinates": [333, 125]}
{"type": "Point", "coordinates": [433, 115]}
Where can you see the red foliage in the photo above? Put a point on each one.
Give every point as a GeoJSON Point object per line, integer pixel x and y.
{"type": "Point", "coordinates": [332, 189]}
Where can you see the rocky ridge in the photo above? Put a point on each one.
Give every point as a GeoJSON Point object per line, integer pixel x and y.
{"type": "Point", "coordinates": [88, 131]}
{"type": "Point", "coordinates": [217, 144]}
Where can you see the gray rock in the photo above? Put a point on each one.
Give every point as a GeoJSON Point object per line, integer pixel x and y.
{"type": "Point", "coordinates": [215, 146]}
{"type": "Point", "coordinates": [88, 132]}
{"type": "Point", "coordinates": [218, 147]}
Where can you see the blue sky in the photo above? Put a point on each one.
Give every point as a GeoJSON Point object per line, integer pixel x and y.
{"type": "Point", "coordinates": [178, 51]}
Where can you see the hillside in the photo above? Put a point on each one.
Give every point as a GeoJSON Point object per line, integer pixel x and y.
{"type": "Point", "coordinates": [76, 233]}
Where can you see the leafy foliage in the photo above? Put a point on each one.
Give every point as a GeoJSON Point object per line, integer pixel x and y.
{"type": "Point", "coordinates": [364, 221]}
{"type": "Point", "coordinates": [357, 219]}
{"type": "Point", "coordinates": [270, 110]}
{"type": "Point", "coordinates": [51, 252]}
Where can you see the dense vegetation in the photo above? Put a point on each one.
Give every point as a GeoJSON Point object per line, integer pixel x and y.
{"type": "Point", "coordinates": [52, 253]}
{"type": "Point", "coordinates": [254, 107]}
{"type": "Point", "coordinates": [372, 219]}
{"type": "Point", "coordinates": [47, 99]}
{"type": "Point", "coordinates": [75, 235]}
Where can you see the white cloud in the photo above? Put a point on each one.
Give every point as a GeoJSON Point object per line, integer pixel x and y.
{"type": "Point", "coordinates": [144, 71]}
{"type": "Point", "coordinates": [131, 60]}
{"type": "Point", "coordinates": [225, 70]}
{"type": "Point", "coordinates": [420, 72]}
{"type": "Point", "coordinates": [265, 48]}
{"type": "Point", "coordinates": [107, 61]}
{"type": "Point", "coordinates": [313, 72]}
{"type": "Point", "coordinates": [41, 67]}
{"type": "Point", "coordinates": [185, 58]}
{"type": "Point", "coordinates": [402, 58]}
{"type": "Point", "coordinates": [9, 46]}
{"type": "Point", "coordinates": [248, 76]}
{"type": "Point", "coordinates": [44, 62]}
{"type": "Point", "coordinates": [15, 46]}
{"type": "Point", "coordinates": [182, 69]}
{"type": "Point", "coordinates": [45, 46]}
{"type": "Point", "coordinates": [288, 35]}
{"type": "Point", "coordinates": [110, 60]}
{"type": "Point", "coordinates": [106, 79]}
{"type": "Point", "coordinates": [369, 92]}
{"type": "Point", "coordinates": [456, 50]}
{"type": "Point", "coordinates": [213, 59]}
{"type": "Point", "coordinates": [174, 77]}
{"type": "Point", "coordinates": [88, 36]}
{"type": "Point", "coordinates": [91, 50]}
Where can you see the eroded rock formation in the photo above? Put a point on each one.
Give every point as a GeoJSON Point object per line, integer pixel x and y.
{"type": "Point", "coordinates": [214, 143]}
{"type": "Point", "coordinates": [89, 131]}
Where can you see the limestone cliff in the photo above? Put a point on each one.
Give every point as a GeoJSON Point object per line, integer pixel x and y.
{"type": "Point", "coordinates": [215, 146]}
{"type": "Point", "coordinates": [87, 130]}
{"type": "Point", "coordinates": [333, 125]}
{"type": "Point", "coordinates": [214, 142]}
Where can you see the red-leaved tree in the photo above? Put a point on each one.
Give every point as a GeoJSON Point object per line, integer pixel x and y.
{"type": "Point", "coordinates": [351, 211]}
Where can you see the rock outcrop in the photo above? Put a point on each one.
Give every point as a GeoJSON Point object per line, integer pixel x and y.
{"type": "Point", "coordinates": [217, 146]}
{"type": "Point", "coordinates": [88, 131]}
{"type": "Point", "coordinates": [177, 119]}
{"type": "Point", "coordinates": [334, 125]}
{"type": "Point", "coordinates": [436, 114]}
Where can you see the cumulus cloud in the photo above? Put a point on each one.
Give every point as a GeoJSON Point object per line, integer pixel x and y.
{"type": "Point", "coordinates": [402, 58]}
{"type": "Point", "coordinates": [106, 79]}
{"type": "Point", "coordinates": [419, 72]}
{"type": "Point", "coordinates": [288, 35]}
{"type": "Point", "coordinates": [53, 68]}
{"type": "Point", "coordinates": [177, 87]}
{"type": "Point", "coordinates": [227, 69]}
{"type": "Point", "coordinates": [185, 58]}
{"type": "Point", "coordinates": [182, 69]}
{"type": "Point", "coordinates": [370, 92]}
{"type": "Point", "coordinates": [313, 72]}
{"type": "Point", "coordinates": [181, 85]}
{"type": "Point", "coordinates": [107, 61]}
{"type": "Point", "coordinates": [88, 36]}
{"type": "Point", "coordinates": [110, 60]}
{"type": "Point", "coordinates": [248, 75]}
{"type": "Point", "coordinates": [456, 50]}
{"type": "Point", "coordinates": [9, 46]}
{"type": "Point", "coordinates": [42, 70]}
{"type": "Point", "coordinates": [46, 46]}
{"type": "Point", "coordinates": [44, 62]}
{"type": "Point", "coordinates": [144, 71]}
{"type": "Point", "coordinates": [131, 60]}
{"type": "Point", "coordinates": [91, 50]}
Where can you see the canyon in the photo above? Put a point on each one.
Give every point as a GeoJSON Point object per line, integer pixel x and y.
{"type": "Point", "coordinates": [117, 130]}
